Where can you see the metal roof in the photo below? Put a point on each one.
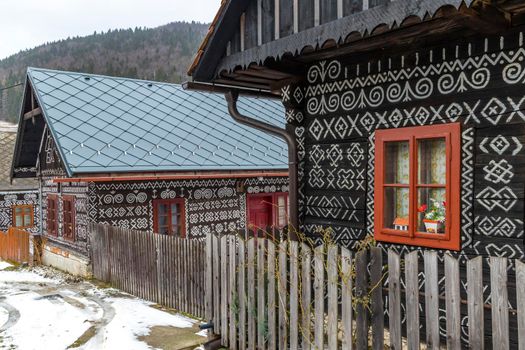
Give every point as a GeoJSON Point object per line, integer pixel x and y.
{"type": "Point", "coordinates": [110, 124]}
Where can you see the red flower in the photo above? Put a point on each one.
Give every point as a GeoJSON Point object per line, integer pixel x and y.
{"type": "Point", "coordinates": [444, 203]}
{"type": "Point", "coordinates": [422, 208]}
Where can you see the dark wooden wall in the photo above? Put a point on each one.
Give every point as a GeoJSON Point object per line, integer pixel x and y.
{"type": "Point", "coordinates": [478, 82]}
{"type": "Point", "coordinates": [306, 18]}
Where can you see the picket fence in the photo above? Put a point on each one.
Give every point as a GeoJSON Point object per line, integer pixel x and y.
{"type": "Point", "coordinates": [15, 245]}
{"type": "Point", "coordinates": [163, 269]}
{"type": "Point", "coordinates": [287, 295]}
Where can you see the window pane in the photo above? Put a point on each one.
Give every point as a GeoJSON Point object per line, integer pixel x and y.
{"type": "Point", "coordinates": [18, 221]}
{"type": "Point", "coordinates": [18, 210]}
{"type": "Point", "coordinates": [431, 210]}
{"type": "Point", "coordinates": [27, 220]}
{"type": "Point", "coordinates": [162, 209]}
{"type": "Point", "coordinates": [395, 211]}
{"type": "Point", "coordinates": [432, 161]}
{"type": "Point", "coordinates": [397, 162]}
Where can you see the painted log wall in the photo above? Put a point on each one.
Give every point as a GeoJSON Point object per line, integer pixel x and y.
{"type": "Point", "coordinates": [477, 82]}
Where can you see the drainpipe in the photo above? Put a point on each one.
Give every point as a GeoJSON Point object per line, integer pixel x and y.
{"type": "Point", "coordinates": [231, 98]}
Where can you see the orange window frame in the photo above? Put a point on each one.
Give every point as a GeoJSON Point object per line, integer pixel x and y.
{"type": "Point", "coordinates": [24, 207]}
{"type": "Point", "coordinates": [180, 203]}
{"type": "Point", "coordinates": [52, 214]}
{"type": "Point", "coordinates": [451, 238]}
{"type": "Point", "coordinates": [68, 217]}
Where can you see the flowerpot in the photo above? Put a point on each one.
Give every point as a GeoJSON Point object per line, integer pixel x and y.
{"type": "Point", "coordinates": [432, 226]}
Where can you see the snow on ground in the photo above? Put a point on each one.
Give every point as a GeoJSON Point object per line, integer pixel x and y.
{"type": "Point", "coordinates": [4, 265]}
{"type": "Point", "coordinates": [39, 312]}
{"type": "Point", "coordinates": [133, 318]}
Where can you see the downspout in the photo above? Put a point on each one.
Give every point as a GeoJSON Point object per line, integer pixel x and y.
{"type": "Point", "coordinates": [231, 98]}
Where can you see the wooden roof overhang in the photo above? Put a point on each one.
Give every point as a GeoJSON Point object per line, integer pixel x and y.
{"type": "Point", "coordinates": [394, 27]}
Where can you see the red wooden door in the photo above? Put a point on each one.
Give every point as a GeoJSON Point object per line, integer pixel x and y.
{"type": "Point", "coordinates": [260, 211]}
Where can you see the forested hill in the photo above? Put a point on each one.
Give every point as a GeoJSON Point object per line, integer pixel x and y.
{"type": "Point", "coordinates": [163, 54]}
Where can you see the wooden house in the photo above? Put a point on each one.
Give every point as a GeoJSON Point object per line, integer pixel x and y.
{"type": "Point", "coordinates": [19, 200]}
{"type": "Point", "coordinates": [407, 115]}
{"type": "Point", "coordinates": [144, 155]}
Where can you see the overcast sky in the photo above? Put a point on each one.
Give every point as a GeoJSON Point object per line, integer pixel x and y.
{"type": "Point", "coordinates": [28, 23]}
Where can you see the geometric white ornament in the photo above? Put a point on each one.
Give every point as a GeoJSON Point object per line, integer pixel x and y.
{"type": "Point", "coordinates": [497, 172]}
{"type": "Point", "coordinates": [503, 198]}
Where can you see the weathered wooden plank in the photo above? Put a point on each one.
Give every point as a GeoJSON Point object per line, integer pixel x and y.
{"type": "Point", "coordinates": [242, 294]}
{"type": "Point", "coordinates": [361, 262]}
{"type": "Point", "coordinates": [499, 298]}
{"type": "Point", "coordinates": [475, 303]}
{"type": "Point", "coordinates": [394, 300]}
{"type": "Point", "coordinates": [376, 290]}
{"type": "Point", "coordinates": [520, 302]}
{"type": "Point", "coordinates": [319, 297]}
{"type": "Point", "coordinates": [412, 300]}
{"type": "Point", "coordinates": [209, 278]}
{"type": "Point", "coordinates": [452, 302]}
{"type": "Point", "coordinates": [306, 296]}
{"type": "Point", "coordinates": [272, 306]}
{"type": "Point", "coordinates": [216, 284]}
{"type": "Point", "coordinates": [261, 299]}
{"type": "Point", "coordinates": [333, 279]}
{"type": "Point", "coordinates": [282, 295]}
{"type": "Point", "coordinates": [294, 295]}
{"type": "Point", "coordinates": [233, 292]}
{"type": "Point", "coordinates": [431, 299]}
{"type": "Point", "coordinates": [251, 303]}
{"type": "Point", "coordinates": [224, 290]}
{"type": "Point", "coordinates": [346, 298]}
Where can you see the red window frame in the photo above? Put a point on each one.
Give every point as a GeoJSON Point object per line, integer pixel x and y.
{"type": "Point", "coordinates": [68, 217]}
{"type": "Point", "coordinates": [180, 203]}
{"type": "Point", "coordinates": [275, 207]}
{"type": "Point", "coordinates": [451, 238]}
{"type": "Point", "coordinates": [52, 214]}
{"type": "Point", "coordinates": [25, 208]}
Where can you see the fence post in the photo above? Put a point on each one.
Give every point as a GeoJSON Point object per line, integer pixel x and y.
{"type": "Point", "coordinates": [376, 286]}
{"type": "Point", "coordinates": [475, 303]}
{"type": "Point", "coordinates": [261, 300]}
{"type": "Point", "coordinates": [332, 275]}
{"type": "Point", "coordinates": [233, 293]}
{"type": "Point", "coordinates": [252, 319]}
{"type": "Point", "coordinates": [346, 298]}
{"type": "Point", "coordinates": [272, 306]}
{"type": "Point", "coordinates": [319, 297]}
{"type": "Point", "coordinates": [520, 301]}
{"type": "Point", "coordinates": [394, 300]}
{"type": "Point", "coordinates": [306, 297]}
{"type": "Point", "coordinates": [209, 279]}
{"type": "Point", "coordinates": [412, 300]}
{"type": "Point", "coordinates": [281, 294]}
{"type": "Point", "coordinates": [242, 294]}
{"type": "Point", "coordinates": [500, 308]}
{"type": "Point", "coordinates": [431, 299]}
{"type": "Point", "coordinates": [452, 302]}
{"type": "Point", "coordinates": [294, 295]}
{"type": "Point", "coordinates": [361, 291]}
{"type": "Point", "coordinates": [224, 290]}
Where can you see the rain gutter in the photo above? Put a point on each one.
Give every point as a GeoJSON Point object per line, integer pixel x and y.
{"type": "Point", "coordinates": [231, 98]}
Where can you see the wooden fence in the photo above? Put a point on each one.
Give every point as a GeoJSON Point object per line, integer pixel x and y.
{"type": "Point", "coordinates": [163, 269]}
{"type": "Point", "coordinates": [14, 245]}
{"type": "Point", "coordinates": [286, 295]}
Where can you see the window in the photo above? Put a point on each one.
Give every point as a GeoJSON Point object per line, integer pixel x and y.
{"type": "Point", "coordinates": [52, 215]}
{"type": "Point", "coordinates": [267, 209]}
{"type": "Point", "coordinates": [168, 217]}
{"type": "Point", "coordinates": [23, 216]}
{"type": "Point", "coordinates": [68, 212]}
{"type": "Point", "coordinates": [417, 186]}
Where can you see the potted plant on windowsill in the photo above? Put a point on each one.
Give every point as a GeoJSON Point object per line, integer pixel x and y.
{"type": "Point", "coordinates": [434, 217]}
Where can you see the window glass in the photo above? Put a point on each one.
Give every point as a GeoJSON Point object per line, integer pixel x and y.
{"type": "Point", "coordinates": [431, 210]}
{"type": "Point", "coordinates": [396, 203]}
{"type": "Point", "coordinates": [398, 160]}
{"type": "Point", "coordinates": [432, 161]}
{"type": "Point", "coordinates": [168, 217]}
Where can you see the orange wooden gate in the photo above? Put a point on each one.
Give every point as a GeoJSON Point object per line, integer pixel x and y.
{"type": "Point", "coordinates": [14, 245]}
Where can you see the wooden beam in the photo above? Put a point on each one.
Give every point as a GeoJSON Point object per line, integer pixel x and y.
{"type": "Point", "coordinates": [33, 113]}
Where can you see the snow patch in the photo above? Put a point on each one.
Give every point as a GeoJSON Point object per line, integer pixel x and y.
{"type": "Point", "coordinates": [4, 265]}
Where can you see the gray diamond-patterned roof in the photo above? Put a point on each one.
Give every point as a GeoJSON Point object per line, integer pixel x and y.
{"type": "Point", "coordinates": [110, 124]}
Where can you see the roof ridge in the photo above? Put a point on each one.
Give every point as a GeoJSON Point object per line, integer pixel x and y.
{"type": "Point", "coordinates": [30, 69]}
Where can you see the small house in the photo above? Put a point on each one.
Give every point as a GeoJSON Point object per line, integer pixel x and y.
{"type": "Point", "coordinates": [19, 200]}
{"type": "Point", "coordinates": [146, 156]}
{"type": "Point", "coordinates": [407, 115]}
